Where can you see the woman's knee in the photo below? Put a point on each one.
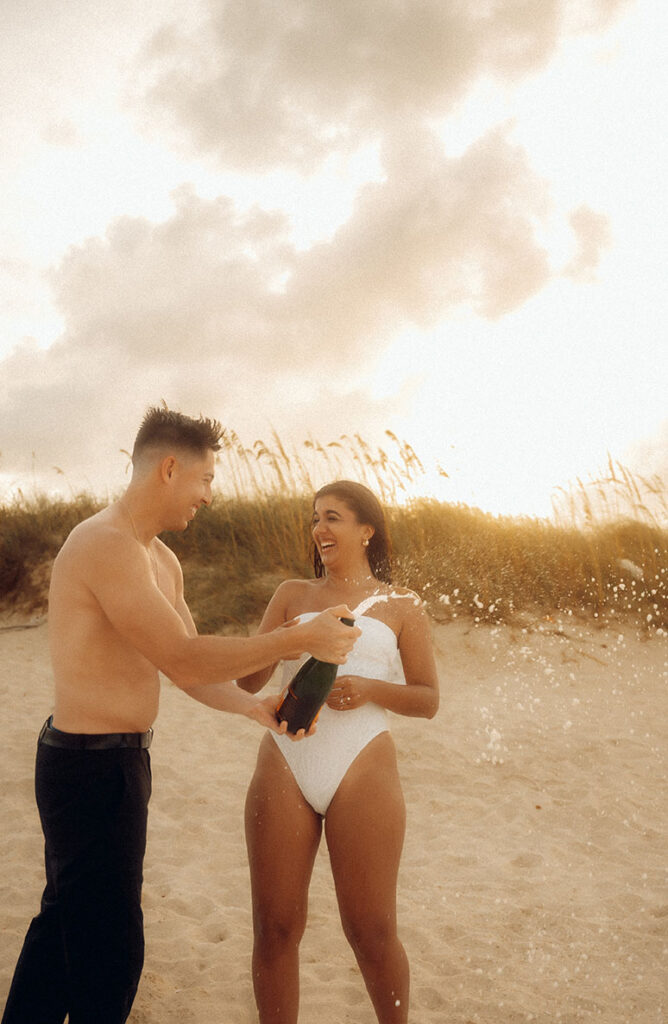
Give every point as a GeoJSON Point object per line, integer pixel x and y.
{"type": "Point", "coordinates": [371, 937]}
{"type": "Point", "coordinates": [276, 930]}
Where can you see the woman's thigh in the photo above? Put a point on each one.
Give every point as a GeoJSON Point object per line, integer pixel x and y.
{"type": "Point", "coordinates": [365, 827]}
{"type": "Point", "coordinates": [282, 836]}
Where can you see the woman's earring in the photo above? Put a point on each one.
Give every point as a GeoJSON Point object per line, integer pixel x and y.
{"type": "Point", "coordinates": [365, 542]}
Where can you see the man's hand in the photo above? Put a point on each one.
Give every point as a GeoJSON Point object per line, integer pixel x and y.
{"type": "Point", "coordinates": [264, 713]}
{"type": "Point", "coordinates": [325, 637]}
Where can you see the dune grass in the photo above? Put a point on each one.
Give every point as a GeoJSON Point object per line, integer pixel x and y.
{"type": "Point", "coordinates": [587, 561]}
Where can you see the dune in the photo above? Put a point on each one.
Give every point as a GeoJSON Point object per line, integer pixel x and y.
{"type": "Point", "coordinates": [533, 882]}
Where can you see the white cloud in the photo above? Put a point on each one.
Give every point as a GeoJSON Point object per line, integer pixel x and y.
{"type": "Point", "coordinates": [259, 84]}
{"type": "Point", "coordinates": [592, 231]}
{"type": "Point", "coordinates": [222, 311]}
{"type": "Point", "coordinates": [62, 133]}
{"type": "Point", "coordinates": [188, 307]}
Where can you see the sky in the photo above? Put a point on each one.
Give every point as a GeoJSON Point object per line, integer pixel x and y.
{"type": "Point", "coordinates": [437, 218]}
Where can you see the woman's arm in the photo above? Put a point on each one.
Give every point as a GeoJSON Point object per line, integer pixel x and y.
{"type": "Point", "coordinates": [274, 616]}
{"type": "Point", "coordinates": [420, 697]}
{"type": "Point", "coordinates": [223, 696]}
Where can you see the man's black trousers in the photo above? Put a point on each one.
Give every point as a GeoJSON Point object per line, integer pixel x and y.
{"type": "Point", "coordinates": [83, 953]}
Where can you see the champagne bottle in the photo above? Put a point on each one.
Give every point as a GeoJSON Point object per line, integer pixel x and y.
{"type": "Point", "coordinates": [307, 691]}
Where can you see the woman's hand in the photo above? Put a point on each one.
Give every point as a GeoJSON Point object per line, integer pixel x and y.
{"type": "Point", "coordinates": [349, 692]}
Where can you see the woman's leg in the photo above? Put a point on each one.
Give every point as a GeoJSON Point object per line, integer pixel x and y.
{"type": "Point", "coordinates": [365, 827]}
{"type": "Point", "coordinates": [282, 836]}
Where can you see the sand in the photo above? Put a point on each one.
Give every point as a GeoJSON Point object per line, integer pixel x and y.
{"type": "Point", "coordinates": [533, 884]}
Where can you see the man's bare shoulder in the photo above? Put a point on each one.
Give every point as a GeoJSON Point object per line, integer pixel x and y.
{"type": "Point", "coordinates": [93, 539]}
{"type": "Point", "coordinates": [165, 551]}
{"type": "Point", "coordinates": [169, 561]}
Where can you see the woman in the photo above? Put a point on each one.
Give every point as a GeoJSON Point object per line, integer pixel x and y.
{"type": "Point", "coordinates": [346, 773]}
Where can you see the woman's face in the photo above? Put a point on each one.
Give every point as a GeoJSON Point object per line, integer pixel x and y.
{"type": "Point", "coordinates": [337, 534]}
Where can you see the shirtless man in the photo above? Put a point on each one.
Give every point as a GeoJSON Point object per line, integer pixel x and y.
{"type": "Point", "coordinates": [117, 617]}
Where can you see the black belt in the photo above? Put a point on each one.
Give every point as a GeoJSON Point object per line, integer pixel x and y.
{"type": "Point", "coordinates": [93, 740]}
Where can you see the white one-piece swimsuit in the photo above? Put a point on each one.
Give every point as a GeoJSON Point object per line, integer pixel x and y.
{"type": "Point", "coordinates": [320, 762]}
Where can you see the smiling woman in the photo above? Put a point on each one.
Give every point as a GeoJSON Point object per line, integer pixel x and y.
{"type": "Point", "coordinates": [350, 501]}
{"type": "Point", "coordinates": [328, 778]}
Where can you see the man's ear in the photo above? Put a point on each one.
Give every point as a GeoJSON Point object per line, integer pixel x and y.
{"type": "Point", "coordinates": [167, 467]}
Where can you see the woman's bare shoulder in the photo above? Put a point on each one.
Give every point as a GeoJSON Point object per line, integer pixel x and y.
{"type": "Point", "coordinates": [301, 588]}
{"type": "Point", "coordinates": [403, 606]}
{"type": "Point", "coordinates": [295, 596]}
{"type": "Point", "coordinates": [297, 586]}
{"type": "Point", "coordinates": [402, 596]}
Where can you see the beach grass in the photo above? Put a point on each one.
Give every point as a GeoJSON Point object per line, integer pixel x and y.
{"type": "Point", "coordinates": [603, 555]}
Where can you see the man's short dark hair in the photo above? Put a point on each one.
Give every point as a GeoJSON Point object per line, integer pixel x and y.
{"type": "Point", "coordinates": [162, 428]}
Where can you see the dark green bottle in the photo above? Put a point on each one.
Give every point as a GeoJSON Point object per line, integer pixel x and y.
{"type": "Point", "coordinates": [307, 691]}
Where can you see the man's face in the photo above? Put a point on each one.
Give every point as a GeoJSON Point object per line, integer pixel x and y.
{"type": "Point", "coordinates": [190, 482]}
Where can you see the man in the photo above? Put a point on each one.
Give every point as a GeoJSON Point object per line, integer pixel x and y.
{"type": "Point", "coordinates": [117, 617]}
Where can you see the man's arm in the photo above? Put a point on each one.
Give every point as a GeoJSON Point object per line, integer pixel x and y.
{"type": "Point", "coordinates": [118, 572]}
{"type": "Point", "coordinates": [275, 615]}
{"type": "Point", "coordinates": [225, 696]}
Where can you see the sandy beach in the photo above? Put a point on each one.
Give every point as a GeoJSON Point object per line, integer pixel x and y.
{"type": "Point", "coordinates": [533, 884]}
